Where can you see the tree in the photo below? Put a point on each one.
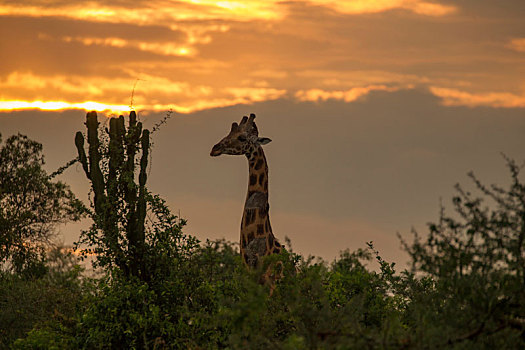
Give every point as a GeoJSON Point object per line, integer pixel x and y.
{"type": "Point", "coordinates": [475, 262]}
{"type": "Point", "coordinates": [31, 205]}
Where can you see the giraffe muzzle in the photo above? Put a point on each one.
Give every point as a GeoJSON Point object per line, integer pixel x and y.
{"type": "Point", "coordinates": [215, 151]}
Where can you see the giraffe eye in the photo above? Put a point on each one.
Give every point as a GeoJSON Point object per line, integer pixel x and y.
{"type": "Point", "coordinates": [241, 138]}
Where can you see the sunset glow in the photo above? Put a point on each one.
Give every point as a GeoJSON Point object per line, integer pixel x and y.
{"type": "Point", "coordinates": [153, 12]}
{"type": "Point", "coordinates": [158, 48]}
{"type": "Point", "coordinates": [453, 97]}
{"type": "Point", "coordinates": [367, 6]}
{"type": "Point", "coordinates": [347, 96]}
{"type": "Point", "coordinates": [58, 105]}
{"type": "Point", "coordinates": [517, 44]}
{"type": "Point", "coordinates": [199, 54]}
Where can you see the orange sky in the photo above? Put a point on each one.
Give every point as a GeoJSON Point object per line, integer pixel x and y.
{"type": "Point", "coordinates": [193, 55]}
{"type": "Point", "coordinates": [376, 108]}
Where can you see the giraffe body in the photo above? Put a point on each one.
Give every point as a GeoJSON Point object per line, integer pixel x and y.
{"type": "Point", "coordinates": [256, 239]}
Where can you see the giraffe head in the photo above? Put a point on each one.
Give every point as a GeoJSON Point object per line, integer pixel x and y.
{"type": "Point", "coordinates": [242, 139]}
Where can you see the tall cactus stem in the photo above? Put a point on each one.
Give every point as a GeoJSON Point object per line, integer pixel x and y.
{"type": "Point", "coordinates": [117, 193]}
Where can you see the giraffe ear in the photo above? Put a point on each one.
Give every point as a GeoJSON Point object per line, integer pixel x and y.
{"type": "Point", "coordinates": [263, 140]}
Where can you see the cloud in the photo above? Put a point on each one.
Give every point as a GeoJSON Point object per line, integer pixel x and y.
{"type": "Point", "coordinates": [157, 12]}
{"type": "Point", "coordinates": [204, 54]}
{"type": "Point", "coordinates": [350, 95]}
{"type": "Point", "coordinates": [152, 93]}
{"type": "Point", "coordinates": [344, 79]}
{"type": "Point", "coordinates": [367, 6]}
{"type": "Point", "coordinates": [517, 44]}
{"type": "Point", "coordinates": [161, 48]}
{"type": "Point", "coordinates": [27, 90]}
{"type": "Point", "coordinates": [454, 97]}
{"type": "Point", "coordinates": [270, 73]}
{"type": "Point", "coordinates": [52, 86]}
{"type": "Point", "coordinates": [178, 39]}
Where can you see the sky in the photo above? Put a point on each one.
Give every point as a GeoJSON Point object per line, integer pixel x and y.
{"type": "Point", "coordinates": [375, 108]}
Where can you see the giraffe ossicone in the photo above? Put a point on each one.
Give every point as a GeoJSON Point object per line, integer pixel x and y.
{"type": "Point", "coordinates": [257, 239]}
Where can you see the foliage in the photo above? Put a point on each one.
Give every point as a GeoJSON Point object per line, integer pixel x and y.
{"type": "Point", "coordinates": [52, 298]}
{"type": "Point", "coordinates": [133, 230]}
{"type": "Point", "coordinates": [476, 262]}
{"type": "Point", "coordinates": [118, 232]}
{"type": "Point", "coordinates": [465, 291]}
{"type": "Point", "coordinates": [466, 288]}
{"type": "Point", "coordinates": [31, 206]}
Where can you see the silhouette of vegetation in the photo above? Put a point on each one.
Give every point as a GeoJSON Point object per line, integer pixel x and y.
{"type": "Point", "coordinates": [31, 206]}
{"type": "Point", "coordinates": [51, 298]}
{"type": "Point", "coordinates": [465, 288]}
{"type": "Point", "coordinates": [118, 232]}
{"type": "Point", "coordinates": [132, 229]}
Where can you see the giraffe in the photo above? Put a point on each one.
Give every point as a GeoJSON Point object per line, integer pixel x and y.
{"type": "Point", "coordinates": [257, 239]}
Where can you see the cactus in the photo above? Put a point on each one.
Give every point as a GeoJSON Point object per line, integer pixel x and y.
{"type": "Point", "coordinates": [119, 203]}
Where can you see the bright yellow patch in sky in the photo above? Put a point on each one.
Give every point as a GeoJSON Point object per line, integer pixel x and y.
{"type": "Point", "coordinates": [166, 49]}
{"type": "Point", "coordinates": [350, 95]}
{"type": "Point", "coordinates": [373, 6]}
{"type": "Point", "coordinates": [454, 97]}
{"type": "Point", "coordinates": [162, 12]}
{"type": "Point", "coordinates": [60, 105]}
{"type": "Point", "coordinates": [229, 97]}
{"type": "Point", "coordinates": [154, 13]}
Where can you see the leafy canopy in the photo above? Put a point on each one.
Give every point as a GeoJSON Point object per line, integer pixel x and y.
{"type": "Point", "coordinates": [31, 205]}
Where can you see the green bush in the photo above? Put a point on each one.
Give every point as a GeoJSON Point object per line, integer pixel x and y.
{"type": "Point", "coordinates": [45, 338]}
{"type": "Point", "coordinates": [34, 302]}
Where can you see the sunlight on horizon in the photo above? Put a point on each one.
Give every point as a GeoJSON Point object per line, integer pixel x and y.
{"type": "Point", "coordinates": [61, 105]}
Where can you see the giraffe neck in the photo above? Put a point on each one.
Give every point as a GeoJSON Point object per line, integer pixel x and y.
{"type": "Point", "coordinates": [257, 239]}
{"type": "Point", "coordinates": [257, 172]}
